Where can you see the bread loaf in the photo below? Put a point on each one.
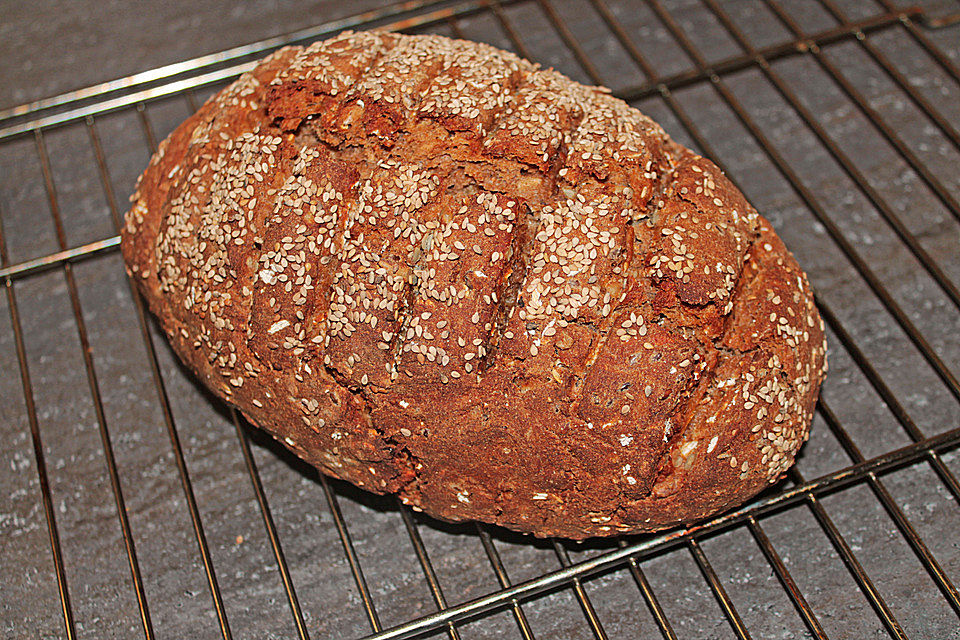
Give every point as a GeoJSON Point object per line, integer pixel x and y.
{"type": "Point", "coordinates": [433, 269]}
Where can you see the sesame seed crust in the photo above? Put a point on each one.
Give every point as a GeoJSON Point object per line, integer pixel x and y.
{"type": "Point", "coordinates": [431, 268]}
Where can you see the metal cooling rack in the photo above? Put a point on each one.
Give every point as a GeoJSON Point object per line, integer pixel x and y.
{"type": "Point", "coordinates": [709, 56]}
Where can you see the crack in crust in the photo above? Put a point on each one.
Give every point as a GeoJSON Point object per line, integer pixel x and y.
{"type": "Point", "coordinates": [603, 331]}
{"type": "Point", "coordinates": [503, 295]}
{"type": "Point", "coordinates": [518, 267]}
{"type": "Point", "coordinates": [526, 236]}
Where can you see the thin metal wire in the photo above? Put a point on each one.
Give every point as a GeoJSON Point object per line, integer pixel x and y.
{"type": "Point", "coordinates": [431, 576]}
{"type": "Point", "coordinates": [894, 74]}
{"type": "Point", "coordinates": [882, 127]}
{"type": "Point", "coordinates": [729, 610]}
{"type": "Point", "coordinates": [352, 559]}
{"type": "Point", "coordinates": [467, 7]}
{"type": "Point", "coordinates": [681, 79]}
{"type": "Point", "coordinates": [947, 588]}
{"type": "Point", "coordinates": [661, 87]}
{"type": "Point", "coordinates": [881, 206]}
{"type": "Point", "coordinates": [656, 609]}
{"type": "Point", "coordinates": [921, 38]}
{"type": "Point", "coordinates": [854, 474]}
{"type": "Point", "coordinates": [907, 530]}
{"type": "Point", "coordinates": [129, 100]}
{"type": "Point", "coordinates": [863, 580]}
{"type": "Point", "coordinates": [582, 598]}
{"type": "Point", "coordinates": [494, 556]}
{"type": "Point", "coordinates": [52, 260]}
{"type": "Point", "coordinates": [49, 513]}
{"type": "Point", "coordinates": [738, 62]}
{"type": "Point", "coordinates": [515, 42]}
{"type": "Point", "coordinates": [570, 41]}
{"type": "Point", "coordinates": [94, 388]}
{"type": "Point", "coordinates": [146, 127]}
{"type": "Point", "coordinates": [939, 22]}
{"type": "Point", "coordinates": [789, 584]}
{"type": "Point", "coordinates": [193, 64]}
{"type": "Point", "coordinates": [591, 71]}
{"type": "Point", "coordinates": [351, 554]}
{"type": "Point", "coordinates": [852, 561]}
{"type": "Point", "coordinates": [160, 387]}
{"type": "Point", "coordinates": [667, 20]}
{"type": "Point", "coordinates": [588, 611]}
{"type": "Point", "coordinates": [271, 528]}
{"type": "Point", "coordinates": [254, 473]}
{"type": "Point", "coordinates": [923, 447]}
{"type": "Point", "coordinates": [867, 274]}
{"type": "Point", "coordinates": [792, 591]}
{"type": "Point", "coordinates": [889, 399]}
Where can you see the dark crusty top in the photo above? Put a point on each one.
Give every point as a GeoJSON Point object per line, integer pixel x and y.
{"type": "Point", "coordinates": [432, 268]}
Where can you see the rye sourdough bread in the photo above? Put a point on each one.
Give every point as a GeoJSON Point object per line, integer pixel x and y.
{"type": "Point", "coordinates": [431, 268]}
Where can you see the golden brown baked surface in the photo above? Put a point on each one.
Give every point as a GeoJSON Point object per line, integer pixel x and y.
{"type": "Point", "coordinates": [431, 268]}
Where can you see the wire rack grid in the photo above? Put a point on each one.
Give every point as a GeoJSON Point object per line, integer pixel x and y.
{"type": "Point", "coordinates": [138, 506]}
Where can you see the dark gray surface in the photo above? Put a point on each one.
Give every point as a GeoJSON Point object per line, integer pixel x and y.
{"type": "Point", "coordinates": [50, 46]}
{"type": "Point", "coordinates": [53, 47]}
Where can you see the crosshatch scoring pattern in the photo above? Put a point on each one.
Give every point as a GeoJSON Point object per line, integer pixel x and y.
{"type": "Point", "coordinates": [133, 504]}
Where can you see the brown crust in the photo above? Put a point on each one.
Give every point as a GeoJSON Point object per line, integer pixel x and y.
{"type": "Point", "coordinates": [431, 268]}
